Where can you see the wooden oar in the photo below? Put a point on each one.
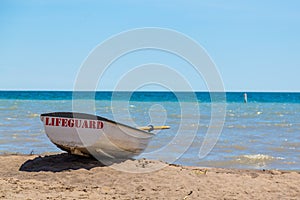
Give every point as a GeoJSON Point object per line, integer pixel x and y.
{"type": "Point", "coordinates": [152, 128]}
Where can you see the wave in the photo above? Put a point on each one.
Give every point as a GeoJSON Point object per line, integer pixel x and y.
{"type": "Point", "coordinates": [13, 107]}
{"type": "Point", "coordinates": [258, 157]}
{"type": "Point", "coordinates": [257, 160]}
{"type": "Point", "coordinates": [33, 115]}
{"type": "Point", "coordinates": [247, 161]}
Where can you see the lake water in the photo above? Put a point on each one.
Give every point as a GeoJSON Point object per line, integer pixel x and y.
{"type": "Point", "coordinates": [261, 134]}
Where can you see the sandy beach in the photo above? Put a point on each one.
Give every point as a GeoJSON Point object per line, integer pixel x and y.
{"type": "Point", "coordinates": [64, 176]}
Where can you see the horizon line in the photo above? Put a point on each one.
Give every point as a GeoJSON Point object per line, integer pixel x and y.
{"type": "Point", "coordinates": [206, 91]}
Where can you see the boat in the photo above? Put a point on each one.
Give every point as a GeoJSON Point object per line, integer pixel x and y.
{"type": "Point", "coordinates": [91, 135]}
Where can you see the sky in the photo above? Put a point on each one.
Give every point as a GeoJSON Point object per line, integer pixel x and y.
{"type": "Point", "coordinates": [255, 44]}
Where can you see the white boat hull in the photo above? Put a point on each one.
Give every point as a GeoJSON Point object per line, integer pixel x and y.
{"type": "Point", "coordinates": [90, 135]}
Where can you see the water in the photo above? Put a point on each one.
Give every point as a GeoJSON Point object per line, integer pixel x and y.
{"type": "Point", "coordinates": [262, 134]}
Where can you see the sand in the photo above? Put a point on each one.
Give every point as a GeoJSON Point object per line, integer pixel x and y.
{"type": "Point", "coordinates": [64, 176]}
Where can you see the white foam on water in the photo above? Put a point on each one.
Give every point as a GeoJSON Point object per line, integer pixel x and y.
{"type": "Point", "coordinates": [257, 161]}
{"type": "Point", "coordinates": [260, 157]}
{"type": "Point", "coordinates": [33, 115]}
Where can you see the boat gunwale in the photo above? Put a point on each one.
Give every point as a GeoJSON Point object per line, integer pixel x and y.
{"type": "Point", "coordinates": [79, 115]}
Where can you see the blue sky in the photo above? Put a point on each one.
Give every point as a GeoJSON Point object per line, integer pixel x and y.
{"type": "Point", "coordinates": [255, 44]}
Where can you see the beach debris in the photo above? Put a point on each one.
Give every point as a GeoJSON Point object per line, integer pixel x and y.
{"type": "Point", "coordinates": [142, 163]}
{"type": "Point", "coordinates": [253, 175]}
{"type": "Point", "coordinates": [175, 165]}
{"type": "Point", "coordinates": [189, 194]}
{"type": "Point", "coordinates": [140, 188]}
{"type": "Point", "coordinates": [200, 171]}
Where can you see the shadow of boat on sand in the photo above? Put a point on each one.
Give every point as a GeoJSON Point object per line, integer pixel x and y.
{"type": "Point", "coordinates": [62, 162]}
